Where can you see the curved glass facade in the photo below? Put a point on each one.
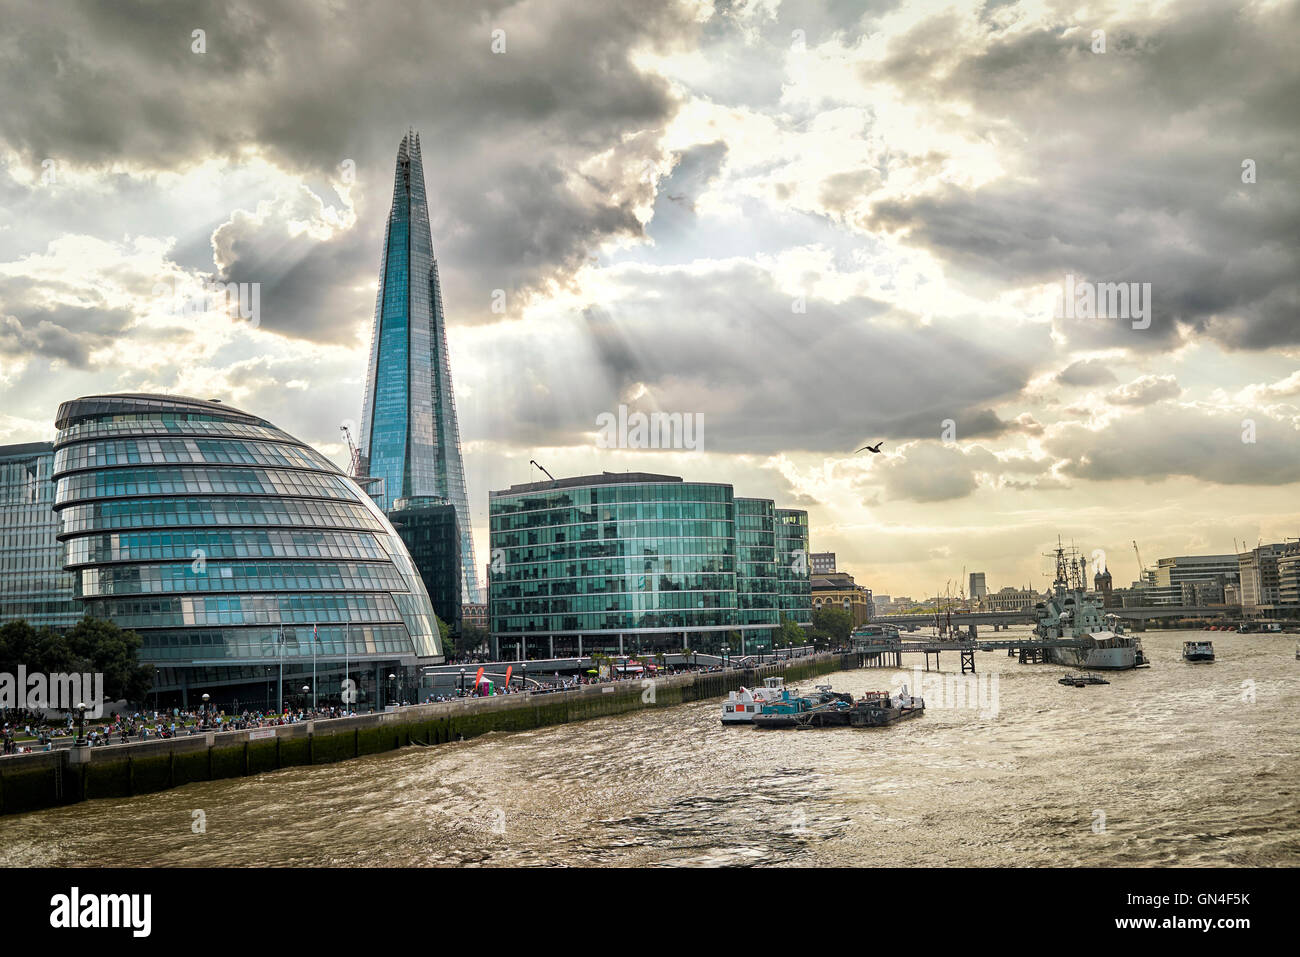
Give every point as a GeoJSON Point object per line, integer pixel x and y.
{"type": "Point", "coordinates": [226, 542]}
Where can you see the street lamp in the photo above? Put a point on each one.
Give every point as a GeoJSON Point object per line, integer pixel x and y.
{"type": "Point", "coordinates": [462, 682]}
{"type": "Point", "coordinates": [81, 724]}
{"type": "Point", "coordinates": [205, 711]}
{"type": "Point", "coordinates": [392, 678]}
{"type": "Point", "coordinates": [725, 656]}
{"type": "Point", "coordinates": [523, 682]}
{"type": "Point", "coordinates": [305, 690]}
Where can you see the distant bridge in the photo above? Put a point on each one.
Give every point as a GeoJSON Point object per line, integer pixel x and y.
{"type": "Point", "coordinates": [1028, 615]}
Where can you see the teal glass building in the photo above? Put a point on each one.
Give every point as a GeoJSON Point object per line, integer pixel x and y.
{"type": "Point", "coordinates": [410, 437]}
{"type": "Point", "coordinates": [794, 580]}
{"type": "Point", "coordinates": [34, 586]}
{"type": "Point", "coordinates": [756, 572]}
{"type": "Point", "coordinates": [232, 548]}
{"type": "Point", "coordinates": [626, 563]}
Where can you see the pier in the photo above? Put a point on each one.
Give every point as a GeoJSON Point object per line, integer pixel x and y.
{"type": "Point", "coordinates": [888, 653]}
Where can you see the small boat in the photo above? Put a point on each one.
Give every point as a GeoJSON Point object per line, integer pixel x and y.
{"type": "Point", "coordinates": [741, 706]}
{"type": "Point", "coordinates": [1198, 651]}
{"type": "Point", "coordinates": [829, 709]}
{"type": "Point", "coordinates": [1079, 681]}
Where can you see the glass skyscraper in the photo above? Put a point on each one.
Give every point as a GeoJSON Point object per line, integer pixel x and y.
{"type": "Point", "coordinates": [409, 435]}
{"type": "Point", "coordinates": [33, 584]}
{"type": "Point", "coordinates": [231, 546]}
{"type": "Point", "coordinates": [632, 562]}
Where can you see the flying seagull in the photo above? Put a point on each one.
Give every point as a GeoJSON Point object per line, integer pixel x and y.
{"type": "Point", "coordinates": [871, 448]}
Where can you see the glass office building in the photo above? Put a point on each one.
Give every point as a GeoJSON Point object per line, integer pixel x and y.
{"type": "Point", "coordinates": [430, 532]}
{"type": "Point", "coordinates": [756, 575]}
{"type": "Point", "coordinates": [232, 548]}
{"type": "Point", "coordinates": [34, 586]}
{"type": "Point", "coordinates": [409, 433]}
{"type": "Point", "coordinates": [622, 563]}
{"type": "Point", "coordinates": [794, 584]}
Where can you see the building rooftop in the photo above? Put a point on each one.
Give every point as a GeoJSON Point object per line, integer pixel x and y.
{"type": "Point", "coordinates": [580, 481]}
{"type": "Point", "coordinates": [142, 403]}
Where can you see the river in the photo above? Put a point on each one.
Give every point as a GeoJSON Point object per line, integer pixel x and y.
{"type": "Point", "coordinates": [1192, 764]}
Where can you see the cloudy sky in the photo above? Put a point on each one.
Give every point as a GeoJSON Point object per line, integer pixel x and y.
{"type": "Point", "coordinates": [818, 224]}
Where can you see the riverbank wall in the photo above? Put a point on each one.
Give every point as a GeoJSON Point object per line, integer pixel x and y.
{"type": "Point", "coordinates": [30, 782]}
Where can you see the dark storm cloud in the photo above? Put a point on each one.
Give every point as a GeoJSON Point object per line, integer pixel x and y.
{"type": "Point", "coordinates": [312, 86]}
{"type": "Point", "coordinates": [57, 331]}
{"type": "Point", "coordinates": [727, 344]}
{"type": "Point", "coordinates": [1126, 167]}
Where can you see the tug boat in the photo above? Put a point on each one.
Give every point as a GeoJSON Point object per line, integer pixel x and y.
{"type": "Point", "coordinates": [1198, 651]}
{"type": "Point", "coordinates": [742, 706]}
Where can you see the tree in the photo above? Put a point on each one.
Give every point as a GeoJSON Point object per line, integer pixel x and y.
{"type": "Point", "coordinates": [104, 647]}
{"type": "Point", "coordinates": [789, 633]}
{"type": "Point", "coordinates": [835, 623]}
{"type": "Point", "coordinates": [91, 645]}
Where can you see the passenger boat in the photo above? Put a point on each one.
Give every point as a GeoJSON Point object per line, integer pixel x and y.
{"type": "Point", "coordinates": [741, 706]}
{"type": "Point", "coordinates": [1198, 651]}
{"type": "Point", "coordinates": [1079, 681]}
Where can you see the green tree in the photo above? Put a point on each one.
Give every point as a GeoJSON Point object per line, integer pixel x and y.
{"type": "Point", "coordinates": [789, 634]}
{"type": "Point", "coordinates": [835, 623]}
{"type": "Point", "coordinates": [102, 646]}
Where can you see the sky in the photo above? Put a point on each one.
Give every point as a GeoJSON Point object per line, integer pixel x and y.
{"type": "Point", "coordinates": [814, 225]}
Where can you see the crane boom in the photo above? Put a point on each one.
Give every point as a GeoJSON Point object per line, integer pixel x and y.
{"type": "Point", "coordinates": [1142, 569]}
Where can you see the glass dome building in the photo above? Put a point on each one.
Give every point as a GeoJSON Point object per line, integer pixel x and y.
{"type": "Point", "coordinates": [234, 550]}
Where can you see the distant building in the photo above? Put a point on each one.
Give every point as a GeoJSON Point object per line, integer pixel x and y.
{"type": "Point", "coordinates": [978, 587]}
{"type": "Point", "coordinates": [429, 528]}
{"type": "Point", "coordinates": [474, 614]}
{"type": "Point", "coordinates": [33, 585]}
{"type": "Point", "coordinates": [838, 590]}
{"type": "Point", "coordinates": [1101, 584]}
{"type": "Point", "coordinates": [1173, 581]}
{"type": "Point", "coordinates": [823, 562]}
{"type": "Point", "coordinates": [1011, 599]}
{"type": "Point", "coordinates": [1288, 577]}
{"type": "Point", "coordinates": [1258, 576]}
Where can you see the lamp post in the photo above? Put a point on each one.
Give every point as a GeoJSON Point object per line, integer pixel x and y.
{"type": "Point", "coordinates": [305, 689]}
{"type": "Point", "coordinates": [392, 680]}
{"type": "Point", "coordinates": [462, 682]}
{"type": "Point", "coordinates": [726, 649]}
{"type": "Point", "coordinates": [81, 724]}
{"type": "Point", "coordinates": [157, 679]}
{"type": "Point", "coordinates": [523, 681]}
{"type": "Point", "coordinates": [205, 711]}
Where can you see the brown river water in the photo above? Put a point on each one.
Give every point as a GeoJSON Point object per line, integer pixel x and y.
{"type": "Point", "coordinates": [1190, 764]}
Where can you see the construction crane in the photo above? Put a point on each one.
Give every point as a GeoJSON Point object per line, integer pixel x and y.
{"type": "Point", "coordinates": [1142, 569]}
{"type": "Point", "coordinates": [354, 453]}
{"type": "Point", "coordinates": [548, 474]}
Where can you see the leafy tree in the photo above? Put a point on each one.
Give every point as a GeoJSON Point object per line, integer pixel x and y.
{"type": "Point", "coordinates": [789, 633]}
{"type": "Point", "coordinates": [103, 646]}
{"type": "Point", "coordinates": [835, 623]}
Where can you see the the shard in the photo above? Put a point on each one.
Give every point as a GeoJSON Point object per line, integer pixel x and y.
{"type": "Point", "coordinates": [409, 435]}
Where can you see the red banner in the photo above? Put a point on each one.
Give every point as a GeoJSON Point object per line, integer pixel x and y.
{"type": "Point", "coordinates": [508, 670]}
{"type": "Point", "coordinates": [477, 678]}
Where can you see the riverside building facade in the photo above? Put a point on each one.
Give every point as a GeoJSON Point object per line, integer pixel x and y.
{"type": "Point", "coordinates": [236, 551]}
{"type": "Point", "coordinates": [626, 563]}
{"type": "Point", "coordinates": [34, 587]}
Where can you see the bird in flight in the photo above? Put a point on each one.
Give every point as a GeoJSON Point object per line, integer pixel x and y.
{"type": "Point", "coordinates": [871, 448]}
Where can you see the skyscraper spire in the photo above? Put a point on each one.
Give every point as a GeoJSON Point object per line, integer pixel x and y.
{"type": "Point", "coordinates": [409, 434]}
